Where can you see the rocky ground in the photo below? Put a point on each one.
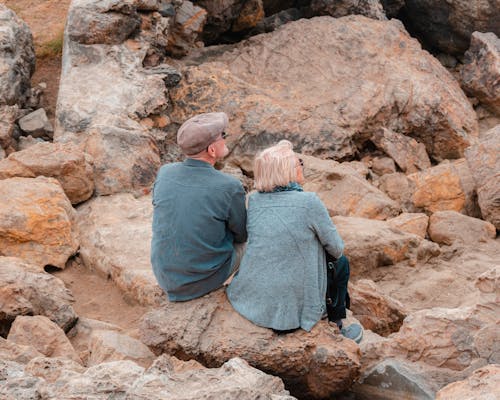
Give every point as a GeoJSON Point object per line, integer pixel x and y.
{"type": "Point", "coordinates": [401, 144]}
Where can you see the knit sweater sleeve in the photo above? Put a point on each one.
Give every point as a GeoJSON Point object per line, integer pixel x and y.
{"type": "Point", "coordinates": [324, 228]}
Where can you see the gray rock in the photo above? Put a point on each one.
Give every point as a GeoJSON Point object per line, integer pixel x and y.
{"type": "Point", "coordinates": [36, 124]}
{"type": "Point", "coordinates": [335, 8]}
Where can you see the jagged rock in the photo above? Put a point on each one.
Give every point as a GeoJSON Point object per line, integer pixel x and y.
{"type": "Point", "coordinates": [8, 116]}
{"type": "Point", "coordinates": [415, 223]}
{"type": "Point", "coordinates": [392, 7]}
{"type": "Point", "coordinates": [17, 386]}
{"type": "Point", "coordinates": [344, 192]}
{"type": "Point", "coordinates": [483, 384]}
{"type": "Point", "coordinates": [25, 142]}
{"type": "Point", "coordinates": [448, 24]}
{"type": "Point", "coordinates": [480, 74]}
{"type": "Point", "coordinates": [101, 21]}
{"type": "Point", "coordinates": [317, 363]}
{"type": "Point", "coordinates": [383, 165]}
{"type": "Point", "coordinates": [335, 8]}
{"type": "Point", "coordinates": [448, 227]}
{"type": "Point", "coordinates": [50, 369]}
{"type": "Point", "coordinates": [44, 335]}
{"type": "Point", "coordinates": [370, 244]}
{"type": "Point", "coordinates": [250, 15]}
{"type": "Point", "coordinates": [36, 221]}
{"type": "Point", "coordinates": [405, 151]}
{"type": "Point", "coordinates": [64, 162]}
{"type": "Point", "coordinates": [10, 351]}
{"type": "Point", "coordinates": [273, 94]}
{"type": "Point", "coordinates": [399, 188]}
{"type": "Point", "coordinates": [36, 124]}
{"type": "Point", "coordinates": [484, 162]}
{"type": "Point", "coordinates": [107, 345]}
{"type": "Point", "coordinates": [26, 289]}
{"type": "Point", "coordinates": [188, 24]}
{"type": "Point", "coordinates": [376, 311]}
{"type": "Point", "coordinates": [17, 58]}
{"type": "Point", "coordinates": [115, 236]}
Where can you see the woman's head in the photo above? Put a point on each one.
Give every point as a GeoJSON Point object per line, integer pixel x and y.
{"type": "Point", "coordinates": [277, 166]}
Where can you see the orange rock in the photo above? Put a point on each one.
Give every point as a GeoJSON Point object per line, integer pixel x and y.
{"type": "Point", "coordinates": [483, 384]}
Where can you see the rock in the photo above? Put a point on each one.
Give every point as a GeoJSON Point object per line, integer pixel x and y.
{"type": "Point", "coordinates": [36, 221]}
{"type": "Point", "coordinates": [368, 8]}
{"type": "Point", "coordinates": [11, 351]}
{"type": "Point", "coordinates": [235, 379]}
{"type": "Point", "coordinates": [483, 384]}
{"type": "Point", "coordinates": [375, 311]}
{"type": "Point", "coordinates": [28, 290]}
{"type": "Point", "coordinates": [17, 59]}
{"type": "Point", "coordinates": [345, 193]}
{"type": "Point", "coordinates": [19, 387]}
{"type": "Point", "coordinates": [399, 188]}
{"type": "Point", "coordinates": [392, 7]}
{"type": "Point", "coordinates": [370, 244]}
{"type": "Point", "coordinates": [8, 116]}
{"type": "Point", "coordinates": [383, 165]}
{"type": "Point", "coordinates": [115, 235]}
{"type": "Point", "coordinates": [480, 74]}
{"type": "Point", "coordinates": [25, 142]}
{"type": "Point", "coordinates": [448, 24]}
{"type": "Point", "coordinates": [405, 151]}
{"type": "Point", "coordinates": [448, 227]}
{"type": "Point", "coordinates": [315, 364]}
{"type": "Point", "coordinates": [393, 380]}
{"type": "Point", "coordinates": [108, 346]}
{"type": "Point", "coordinates": [415, 223]}
{"type": "Point", "coordinates": [44, 335]}
{"type": "Point", "coordinates": [64, 162]}
{"type": "Point", "coordinates": [272, 94]}
{"type": "Point", "coordinates": [188, 24]}
{"type": "Point", "coordinates": [484, 162]}
{"type": "Point", "coordinates": [447, 186]}
{"type": "Point", "coordinates": [101, 22]}
{"type": "Point", "coordinates": [36, 124]}
{"type": "Point", "coordinates": [250, 15]}
{"type": "Point", "coordinates": [50, 369]}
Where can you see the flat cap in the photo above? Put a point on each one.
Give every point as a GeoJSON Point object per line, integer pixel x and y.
{"type": "Point", "coordinates": [198, 132]}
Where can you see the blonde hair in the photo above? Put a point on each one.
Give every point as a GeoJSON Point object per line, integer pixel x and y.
{"type": "Point", "coordinates": [275, 166]}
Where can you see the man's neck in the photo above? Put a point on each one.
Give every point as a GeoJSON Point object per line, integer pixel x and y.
{"type": "Point", "coordinates": [203, 157]}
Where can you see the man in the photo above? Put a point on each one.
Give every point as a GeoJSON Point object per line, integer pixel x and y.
{"type": "Point", "coordinates": [199, 214]}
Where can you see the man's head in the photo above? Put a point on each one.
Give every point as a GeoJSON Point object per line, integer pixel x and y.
{"type": "Point", "coordinates": [204, 133]}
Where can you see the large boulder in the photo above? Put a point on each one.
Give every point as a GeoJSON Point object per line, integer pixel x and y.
{"type": "Point", "coordinates": [11, 351]}
{"type": "Point", "coordinates": [484, 162]}
{"type": "Point", "coordinates": [344, 192]}
{"type": "Point", "coordinates": [36, 221]}
{"type": "Point", "coordinates": [415, 223]}
{"type": "Point", "coordinates": [480, 74]}
{"type": "Point", "coordinates": [51, 368]}
{"type": "Point", "coordinates": [448, 24]}
{"type": "Point", "coordinates": [17, 58]}
{"type": "Point", "coordinates": [335, 8]}
{"type": "Point", "coordinates": [64, 162]}
{"type": "Point", "coordinates": [483, 384]}
{"type": "Point", "coordinates": [115, 236]}
{"type": "Point", "coordinates": [315, 364]}
{"type": "Point", "coordinates": [28, 290]}
{"type": "Point", "coordinates": [302, 82]}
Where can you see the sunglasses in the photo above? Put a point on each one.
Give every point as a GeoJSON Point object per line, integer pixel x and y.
{"type": "Point", "coordinates": [224, 135]}
{"type": "Point", "coordinates": [301, 162]}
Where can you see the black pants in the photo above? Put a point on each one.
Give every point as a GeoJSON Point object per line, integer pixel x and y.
{"type": "Point", "coordinates": [337, 297]}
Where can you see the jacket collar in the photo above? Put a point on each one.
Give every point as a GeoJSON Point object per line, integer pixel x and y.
{"type": "Point", "coordinates": [190, 162]}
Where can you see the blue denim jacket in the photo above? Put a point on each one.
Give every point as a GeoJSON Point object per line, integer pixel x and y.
{"type": "Point", "coordinates": [198, 213]}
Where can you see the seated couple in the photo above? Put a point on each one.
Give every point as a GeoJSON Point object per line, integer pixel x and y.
{"type": "Point", "coordinates": [200, 227]}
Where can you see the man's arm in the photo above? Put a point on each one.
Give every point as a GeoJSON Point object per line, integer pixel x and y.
{"type": "Point", "coordinates": [237, 220]}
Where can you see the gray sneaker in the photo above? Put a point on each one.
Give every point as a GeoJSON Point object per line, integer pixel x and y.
{"type": "Point", "coordinates": [353, 332]}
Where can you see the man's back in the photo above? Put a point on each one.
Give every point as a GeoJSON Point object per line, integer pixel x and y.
{"type": "Point", "coordinates": [198, 213]}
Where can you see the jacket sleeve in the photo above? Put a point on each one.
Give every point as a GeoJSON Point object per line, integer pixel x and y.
{"type": "Point", "coordinates": [237, 219]}
{"type": "Point", "coordinates": [325, 229]}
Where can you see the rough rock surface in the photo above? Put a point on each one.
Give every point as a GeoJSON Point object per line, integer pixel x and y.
{"type": "Point", "coordinates": [448, 24]}
{"type": "Point", "coordinates": [370, 244]}
{"type": "Point", "coordinates": [375, 311]}
{"type": "Point", "coordinates": [17, 58]}
{"type": "Point", "coordinates": [415, 223]}
{"type": "Point", "coordinates": [36, 221]}
{"type": "Point", "coordinates": [27, 289]}
{"type": "Point", "coordinates": [44, 335]}
{"type": "Point", "coordinates": [480, 74]}
{"type": "Point", "coordinates": [319, 363]}
{"type": "Point", "coordinates": [115, 236]}
{"type": "Point", "coordinates": [302, 82]}
{"type": "Point", "coordinates": [345, 193]}
{"type": "Point", "coordinates": [405, 151]}
{"type": "Point", "coordinates": [484, 162]}
{"type": "Point", "coordinates": [483, 384]}
{"type": "Point", "coordinates": [8, 116]}
{"type": "Point", "coordinates": [448, 227]}
{"type": "Point", "coordinates": [64, 162]}
{"type": "Point", "coordinates": [335, 8]}
{"type": "Point", "coordinates": [51, 368]}
{"type": "Point", "coordinates": [11, 351]}
{"type": "Point", "coordinates": [36, 124]}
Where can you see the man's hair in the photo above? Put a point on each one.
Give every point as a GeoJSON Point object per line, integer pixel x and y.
{"type": "Point", "coordinates": [275, 166]}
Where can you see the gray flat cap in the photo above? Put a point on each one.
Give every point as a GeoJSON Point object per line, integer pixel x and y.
{"type": "Point", "coordinates": [198, 132]}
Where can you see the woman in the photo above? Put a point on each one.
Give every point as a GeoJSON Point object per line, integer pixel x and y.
{"type": "Point", "coordinates": [282, 280]}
